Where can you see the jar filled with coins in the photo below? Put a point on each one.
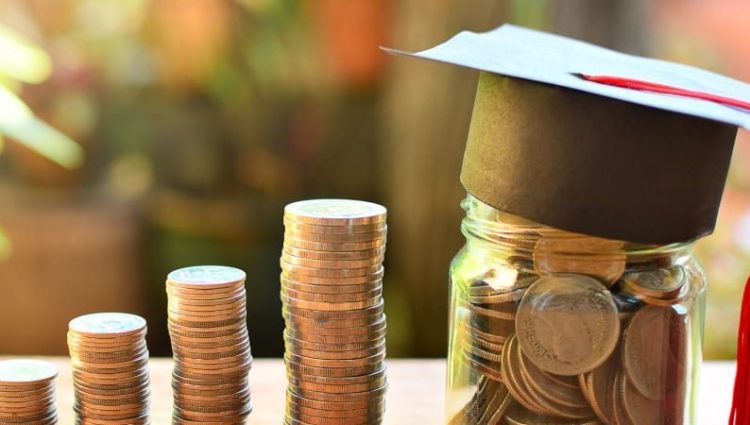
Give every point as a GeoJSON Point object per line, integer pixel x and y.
{"type": "Point", "coordinates": [553, 327]}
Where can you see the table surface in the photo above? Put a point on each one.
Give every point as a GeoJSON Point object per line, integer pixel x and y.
{"type": "Point", "coordinates": [415, 394]}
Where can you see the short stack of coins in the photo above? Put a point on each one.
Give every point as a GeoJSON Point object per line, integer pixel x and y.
{"type": "Point", "coordinates": [211, 345]}
{"type": "Point", "coordinates": [569, 329]}
{"type": "Point", "coordinates": [27, 392]}
{"type": "Point", "coordinates": [331, 290]}
{"type": "Point", "coordinates": [109, 358]}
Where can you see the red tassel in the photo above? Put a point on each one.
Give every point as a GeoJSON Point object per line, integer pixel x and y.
{"type": "Point", "coordinates": [740, 413]}
{"type": "Point", "coordinates": [629, 83]}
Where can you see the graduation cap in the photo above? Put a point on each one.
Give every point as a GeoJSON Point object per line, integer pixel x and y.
{"type": "Point", "coordinates": [594, 141]}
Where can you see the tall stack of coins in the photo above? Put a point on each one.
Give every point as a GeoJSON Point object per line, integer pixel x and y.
{"type": "Point", "coordinates": [211, 345]}
{"type": "Point", "coordinates": [109, 358]}
{"type": "Point", "coordinates": [331, 289]}
{"type": "Point", "coordinates": [561, 328]}
{"type": "Point", "coordinates": [27, 392]}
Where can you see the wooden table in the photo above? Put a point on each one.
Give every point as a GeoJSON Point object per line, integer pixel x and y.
{"type": "Point", "coordinates": [415, 395]}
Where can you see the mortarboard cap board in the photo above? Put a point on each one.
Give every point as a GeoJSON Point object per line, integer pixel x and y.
{"type": "Point", "coordinates": [558, 149]}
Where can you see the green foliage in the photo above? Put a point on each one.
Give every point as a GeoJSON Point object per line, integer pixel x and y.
{"type": "Point", "coordinates": [24, 61]}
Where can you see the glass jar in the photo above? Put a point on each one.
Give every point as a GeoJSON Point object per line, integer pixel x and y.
{"type": "Point", "coordinates": [552, 327]}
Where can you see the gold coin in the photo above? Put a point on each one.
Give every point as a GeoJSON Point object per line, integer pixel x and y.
{"type": "Point", "coordinates": [567, 324]}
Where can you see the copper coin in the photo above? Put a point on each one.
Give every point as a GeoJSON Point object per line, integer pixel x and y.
{"type": "Point", "coordinates": [334, 264]}
{"type": "Point", "coordinates": [376, 276]}
{"type": "Point", "coordinates": [378, 253]}
{"type": "Point", "coordinates": [331, 289]}
{"type": "Point", "coordinates": [334, 246]}
{"type": "Point", "coordinates": [567, 324]}
{"type": "Point", "coordinates": [297, 227]}
{"type": "Point", "coordinates": [335, 237]}
{"type": "Point", "coordinates": [580, 254]}
{"type": "Point", "coordinates": [661, 283]}
{"type": "Point", "coordinates": [517, 415]}
{"type": "Point", "coordinates": [655, 351]}
{"type": "Point", "coordinates": [294, 271]}
{"type": "Point", "coordinates": [596, 388]}
{"type": "Point", "coordinates": [639, 409]}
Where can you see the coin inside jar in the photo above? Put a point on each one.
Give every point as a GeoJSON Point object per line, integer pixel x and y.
{"type": "Point", "coordinates": [567, 324]}
{"type": "Point", "coordinates": [563, 252]}
{"type": "Point", "coordinates": [660, 283]}
{"type": "Point", "coordinates": [654, 351]}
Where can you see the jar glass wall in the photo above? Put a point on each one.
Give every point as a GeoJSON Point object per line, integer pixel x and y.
{"type": "Point", "coordinates": [552, 327]}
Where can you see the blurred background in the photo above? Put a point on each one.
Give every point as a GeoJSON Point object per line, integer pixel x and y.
{"type": "Point", "coordinates": [195, 122]}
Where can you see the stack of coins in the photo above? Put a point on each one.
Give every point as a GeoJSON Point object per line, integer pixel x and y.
{"type": "Point", "coordinates": [331, 289]}
{"type": "Point", "coordinates": [110, 368]}
{"type": "Point", "coordinates": [27, 392]}
{"type": "Point", "coordinates": [211, 345]}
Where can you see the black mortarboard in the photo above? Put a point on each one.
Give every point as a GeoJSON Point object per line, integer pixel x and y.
{"type": "Point", "coordinates": [549, 145]}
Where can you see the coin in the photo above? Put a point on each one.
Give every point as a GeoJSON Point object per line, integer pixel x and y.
{"type": "Point", "coordinates": [331, 292]}
{"type": "Point", "coordinates": [202, 277]}
{"type": "Point", "coordinates": [27, 392]}
{"type": "Point", "coordinates": [596, 385]}
{"type": "Point", "coordinates": [517, 415]}
{"type": "Point", "coordinates": [567, 324]}
{"type": "Point", "coordinates": [109, 359]}
{"type": "Point", "coordinates": [336, 212]}
{"type": "Point", "coordinates": [306, 228]}
{"type": "Point", "coordinates": [662, 283]}
{"type": "Point", "coordinates": [107, 324]}
{"type": "Point", "coordinates": [655, 351]}
{"type": "Point", "coordinates": [26, 372]}
{"type": "Point", "coordinates": [560, 399]}
{"type": "Point", "coordinates": [210, 343]}
{"type": "Point", "coordinates": [564, 252]}
{"type": "Point", "coordinates": [641, 410]}
{"type": "Point", "coordinates": [335, 255]}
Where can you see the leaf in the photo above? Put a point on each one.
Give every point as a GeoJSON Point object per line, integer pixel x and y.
{"type": "Point", "coordinates": [22, 59]}
{"type": "Point", "coordinates": [18, 122]}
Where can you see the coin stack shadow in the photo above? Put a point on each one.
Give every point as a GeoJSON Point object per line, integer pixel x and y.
{"type": "Point", "coordinates": [27, 392]}
{"type": "Point", "coordinates": [211, 346]}
{"type": "Point", "coordinates": [109, 358]}
{"type": "Point", "coordinates": [331, 290]}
